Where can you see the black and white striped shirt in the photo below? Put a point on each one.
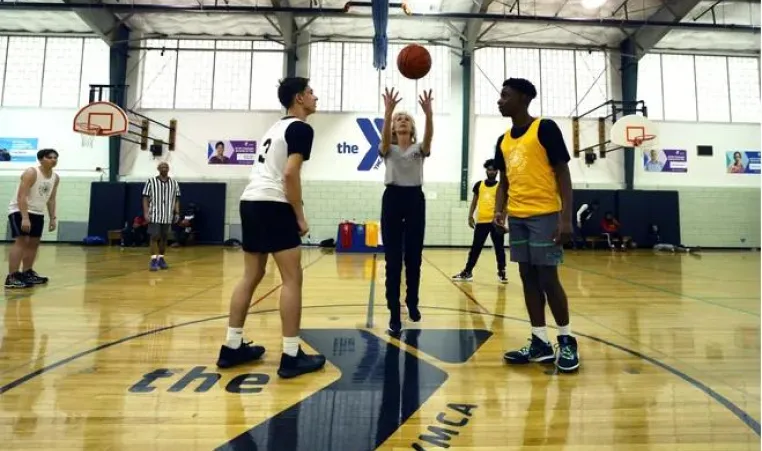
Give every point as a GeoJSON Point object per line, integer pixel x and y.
{"type": "Point", "coordinates": [162, 195]}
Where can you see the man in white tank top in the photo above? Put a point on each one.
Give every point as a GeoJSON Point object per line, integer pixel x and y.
{"type": "Point", "coordinates": [26, 215]}
{"type": "Point", "coordinates": [273, 222]}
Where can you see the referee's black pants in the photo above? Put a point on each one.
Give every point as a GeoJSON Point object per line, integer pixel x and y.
{"type": "Point", "coordinates": [481, 232]}
{"type": "Point", "coordinates": [403, 222]}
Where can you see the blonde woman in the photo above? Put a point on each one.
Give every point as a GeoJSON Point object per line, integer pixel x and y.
{"type": "Point", "coordinates": [403, 207]}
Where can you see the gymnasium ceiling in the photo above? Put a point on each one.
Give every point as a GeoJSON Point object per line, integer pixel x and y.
{"type": "Point", "coordinates": [723, 26]}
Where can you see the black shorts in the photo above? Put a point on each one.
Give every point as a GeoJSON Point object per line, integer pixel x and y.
{"type": "Point", "coordinates": [37, 222]}
{"type": "Point", "coordinates": [268, 226]}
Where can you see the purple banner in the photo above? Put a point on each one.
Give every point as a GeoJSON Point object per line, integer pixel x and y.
{"type": "Point", "coordinates": [665, 160]}
{"type": "Point", "coordinates": [231, 152]}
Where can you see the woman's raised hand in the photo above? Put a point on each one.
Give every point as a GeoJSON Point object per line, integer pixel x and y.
{"type": "Point", "coordinates": [390, 99]}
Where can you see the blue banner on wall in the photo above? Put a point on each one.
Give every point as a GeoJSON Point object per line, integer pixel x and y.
{"type": "Point", "coordinates": [18, 150]}
{"type": "Point", "coordinates": [665, 160]}
{"type": "Point", "coordinates": [742, 162]}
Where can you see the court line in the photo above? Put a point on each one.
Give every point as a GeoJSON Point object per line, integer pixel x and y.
{"type": "Point", "coordinates": [156, 310]}
{"type": "Point", "coordinates": [470, 297]}
{"type": "Point", "coordinates": [372, 294]}
{"type": "Point", "coordinates": [747, 419]}
{"type": "Point", "coordinates": [662, 290]}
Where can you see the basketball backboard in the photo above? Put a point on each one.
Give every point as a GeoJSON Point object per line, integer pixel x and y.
{"type": "Point", "coordinates": [101, 119]}
{"type": "Point", "coordinates": [633, 130]}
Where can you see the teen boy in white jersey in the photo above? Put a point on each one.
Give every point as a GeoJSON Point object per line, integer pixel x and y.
{"type": "Point", "coordinates": [273, 222]}
{"type": "Point", "coordinates": [36, 193]}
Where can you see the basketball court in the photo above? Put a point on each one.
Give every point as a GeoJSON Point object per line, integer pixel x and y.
{"type": "Point", "coordinates": [112, 357]}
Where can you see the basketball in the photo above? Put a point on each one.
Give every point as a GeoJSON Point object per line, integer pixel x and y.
{"type": "Point", "coordinates": [414, 62]}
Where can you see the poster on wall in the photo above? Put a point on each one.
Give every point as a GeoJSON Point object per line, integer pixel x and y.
{"type": "Point", "coordinates": [231, 152]}
{"type": "Point", "coordinates": [742, 162]}
{"type": "Point", "coordinates": [18, 150]}
{"type": "Point", "coordinates": [665, 160]}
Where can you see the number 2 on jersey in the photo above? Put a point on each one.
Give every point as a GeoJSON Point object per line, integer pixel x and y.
{"type": "Point", "coordinates": [266, 145]}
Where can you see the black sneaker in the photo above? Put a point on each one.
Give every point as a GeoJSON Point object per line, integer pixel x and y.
{"type": "Point", "coordinates": [16, 280]}
{"type": "Point", "coordinates": [537, 351]}
{"type": "Point", "coordinates": [246, 353]}
{"type": "Point", "coordinates": [501, 277]}
{"type": "Point", "coordinates": [568, 355]}
{"type": "Point", "coordinates": [395, 326]}
{"type": "Point", "coordinates": [301, 364]}
{"type": "Point", "coordinates": [33, 278]}
{"type": "Point", "coordinates": [412, 312]}
{"type": "Point", "coordinates": [463, 276]}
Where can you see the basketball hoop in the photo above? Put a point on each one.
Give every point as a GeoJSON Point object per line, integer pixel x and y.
{"type": "Point", "coordinates": [643, 141]}
{"type": "Point", "coordinates": [89, 132]}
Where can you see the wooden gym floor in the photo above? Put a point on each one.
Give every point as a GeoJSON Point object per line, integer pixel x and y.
{"type": "Point", "coordinates": [112, 357]}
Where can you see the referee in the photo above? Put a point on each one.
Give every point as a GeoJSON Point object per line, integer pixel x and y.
{"type": "Point", "coordinates": [161, 206]}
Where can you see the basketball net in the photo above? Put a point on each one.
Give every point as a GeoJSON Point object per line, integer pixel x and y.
{"type": "Point", "coordinates": [88, 133]}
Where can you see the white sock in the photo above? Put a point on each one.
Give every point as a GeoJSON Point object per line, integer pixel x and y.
{"type": "Point", "coordinates": [153, 257]}
{"type": "Point", "coordinates": [161, 256]}
{"type": "Point", "coordinates": [235, 337]}
{"type": "Point", "coordinates": [564, 330]}
{"type": "Point", "coordinates": [541, 333]}
{"type": "Point", "coordinates": [291, 346]}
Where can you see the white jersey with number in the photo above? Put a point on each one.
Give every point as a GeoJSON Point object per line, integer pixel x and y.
{"type": "Point", "coordinates": [39, 194]}
{"type": "Point", "coordinates": [266, 179]}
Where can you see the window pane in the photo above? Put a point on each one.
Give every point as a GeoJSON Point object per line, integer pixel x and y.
{"type": "Point", "coordinates": [23, 74]}
{"type": "Point", "coordinates": [525, 63]}
{"type": "Point", "coordinates": [592, 82]}
{"type": "Point", "coordinates": [325, 74]}
{"type": "Point", "coordinates": [489, 74]}
{"type": "Point", "coordinates": [232, 75]}
{"type": "Point", "coordinates": [267, 71]}
{"type": "Point", "coordinates": [391, 78]}
{"type": "Point", "coordinates": [95, 67]}
{"type": "Point", "coordinates": [358, 78]}
{"type": "Point", "coordinates": [3, 48]}
{"type": "Point", "coordinates": [438, 79]}
{"type": "Point", "coordinates": [194, 75]}
{"type": "Point", "coordinates": [712, 88]}
{"type": "Point", "coordinates": [649, 85]}
{"type": "Point", "coordinates": [558, 97]}
{"type": "Point", "coordinates": [744, 89]}
{"type": "Point", "coordinates": [159, 75]}
{"type": "Point", "coordinates": [679, 87]}
{"type": "Point", "coordinates": [63, 64]}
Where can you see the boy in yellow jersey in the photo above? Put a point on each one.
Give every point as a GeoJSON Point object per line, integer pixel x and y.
{"type": "Point", "coordinates": [483, 204]}
{"type": "Point", "coordinates": [534, 179]}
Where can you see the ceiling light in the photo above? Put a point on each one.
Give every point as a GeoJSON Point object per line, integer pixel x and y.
{"type": "Point", "coordinates": [592, 4]}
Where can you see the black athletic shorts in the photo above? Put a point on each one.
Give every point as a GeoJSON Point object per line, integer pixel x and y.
{"type": "Point", "coordinates": [37, 222]}
{"type": "Point", "coordinates": [268, 226]}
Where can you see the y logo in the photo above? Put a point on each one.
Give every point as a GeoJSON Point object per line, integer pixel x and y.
{"type": "Point", "coordinates": [380, 387]}
{"type": "Point", "coordinates": [372, 132]}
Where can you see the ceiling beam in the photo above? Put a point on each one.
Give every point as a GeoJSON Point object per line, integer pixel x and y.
{"type": "Point", "coordinates": [646, 37]}
{"type": "Point", "coordinates": [474, 26]}
{"type": "Point", "coordinates": [102, 21]}
{"type": "Point", "coordinates": [348, 12]}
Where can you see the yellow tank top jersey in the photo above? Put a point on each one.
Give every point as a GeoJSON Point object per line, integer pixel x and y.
{"type": "Point", "coordinates": [485, 204]}
{"type": "Point", "coordinates": [532, 186]}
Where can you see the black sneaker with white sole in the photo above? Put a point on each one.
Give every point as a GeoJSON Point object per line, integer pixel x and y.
{"type": "Point", "coordinates": [412, 311]}
{"type": "Point", "coordinates": [536, 351]}
{"type": "Point", "coordinates": [245, 353]}
{"type": "Point", "coordinates": [301, 364]}
{"type": "Point", "coordinates": [33, 278]}
{"type": "Point", "coordinates": [501, 277]}
{"type": "Point", "coordinates": [16, 280]}
{"type": "Point", "coordinates": [568, 355]}
{"type": "Point", "coordinates": [463, 276]}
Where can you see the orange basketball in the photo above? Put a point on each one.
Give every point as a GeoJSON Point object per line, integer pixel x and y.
{"type": "Point", "coordinates": [414, 62]}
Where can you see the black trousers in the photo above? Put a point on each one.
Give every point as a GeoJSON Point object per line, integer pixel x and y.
{"type": "Point", "coordinates": [481, 231]}
{"type": "Point", "coordinates": [403, 222]}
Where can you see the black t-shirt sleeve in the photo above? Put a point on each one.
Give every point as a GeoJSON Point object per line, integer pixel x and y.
{"type": "Point", "coordinates": [476, 187]}
{"type": "Point", "coordinates": [299, 136]}
{"type": "Point", "coordinates": [499, 160]}
{"type": "Point", "coordinates": [552, 140]}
